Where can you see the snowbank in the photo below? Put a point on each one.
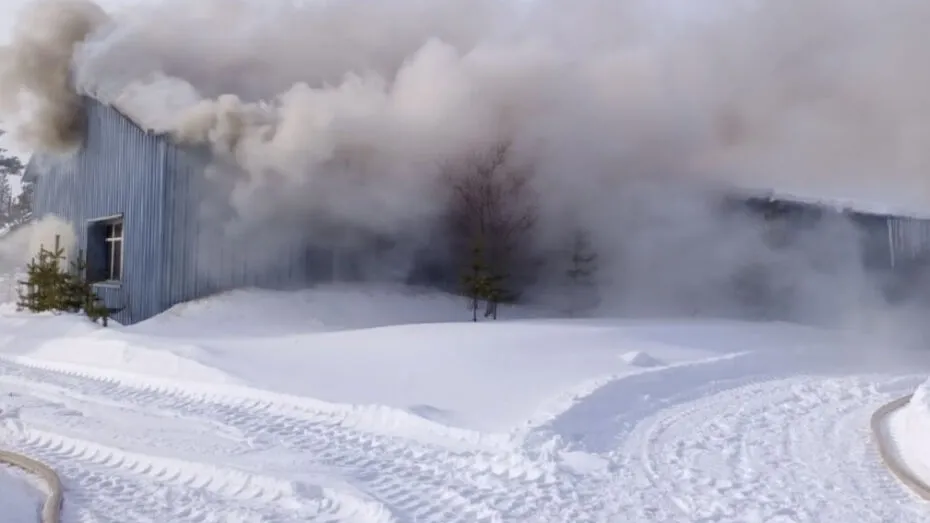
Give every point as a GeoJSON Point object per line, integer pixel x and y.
{"type": "Point", "coordinates": [75, 340]}
{"type": "Point", "coordinates": [910, 428]}
{"type": "Point", "coordinates": [406, 351]}
{"type": "Point", "coordinates": [258, 312]}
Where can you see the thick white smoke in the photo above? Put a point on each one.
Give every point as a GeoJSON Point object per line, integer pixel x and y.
{"type": "Point", "coordinates": [36, 89]}
{"type": "Point", "coordinates": [344, 111]}
{"type": "Point", "coordinates": [20, 246]}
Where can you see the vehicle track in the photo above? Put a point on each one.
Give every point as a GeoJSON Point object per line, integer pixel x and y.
{"type": "Point", "coordinates": [748, 437]}
{"type": "Point", "coordinates": [778, 436]}
{"type": "Point", "coordinates": [795, 449]}
{"type": "Point", "coordinates": [413, 480]}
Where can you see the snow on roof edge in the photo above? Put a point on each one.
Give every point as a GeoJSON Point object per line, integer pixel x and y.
{"type": "Point", "coordinates": [855, 205]}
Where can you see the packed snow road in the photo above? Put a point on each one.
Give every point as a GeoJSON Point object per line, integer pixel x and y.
{"type": "Point", "coordinates": [747, 437]}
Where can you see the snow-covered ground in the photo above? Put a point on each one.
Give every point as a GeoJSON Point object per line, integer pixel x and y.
{"type": "Point", "coordinates": [20, 499]}
{"type": "Point", "coordinates": [344, 404]}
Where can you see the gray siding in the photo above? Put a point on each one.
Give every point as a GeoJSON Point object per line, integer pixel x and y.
{"type": "Point", "coordinates": [175, 244]}
{"type": "Point", "coordinates": [119, 170]}
{"type": "Point", "coordinates": [204, 256]}
{"type": "Point", "coordinates": [908, 238]}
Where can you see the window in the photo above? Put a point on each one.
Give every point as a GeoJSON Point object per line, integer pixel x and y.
{"type": "Point", "coordinates": [114, 250]}
{"type": "Point", "coordinates": [105, 250]}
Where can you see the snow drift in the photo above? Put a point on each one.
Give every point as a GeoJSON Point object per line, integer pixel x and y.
{"type": "Point", "coordinates": [341, 349]}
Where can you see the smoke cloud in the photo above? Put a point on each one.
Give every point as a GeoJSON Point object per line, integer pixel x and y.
{"type": "Point", "coordinates": [343, 112]}
{"type": "Point", "coordinates": [35, 72]}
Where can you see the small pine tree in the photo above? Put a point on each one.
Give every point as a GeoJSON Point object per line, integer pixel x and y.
{"type": "Point", "coordinates": [6, 199]}
{"type": "Point", "coordinates": [28, 290]}
{"type": "Point", "coordinates": [581, 273]}
{"type": "Point", "coordinates": [10, 166]}
{"type": "Point", "coordinates": [96, 310]}
{"type": "Point", "coordinates": [50, 287]}
{"type": "Point", "coordinates": [476, 281]}
{"type": "Point", "coordinates": [82, 296]}
{"type": "Point", "coordinates": [46, 286]}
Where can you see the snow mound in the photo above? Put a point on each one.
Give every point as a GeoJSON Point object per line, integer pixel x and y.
{"type": "Point", "coordinates": [909, 428]}
{"type": "Point", "coordinates": [639, 358]}
{"type": "Point", "coordinates": [72, 339]}
{"type": "Point", "coordinates": [109, 350]}
{"type": "Point", "coordinates": [919, 407]}
{"type": "Point", "coordinates": [395, 352]}
{"type": "Point", "coordinates": [917, 416]}
{"type": "Point", "coordinates": [390, 353]}
{"type": "Point", "coordinates": [256, 312]}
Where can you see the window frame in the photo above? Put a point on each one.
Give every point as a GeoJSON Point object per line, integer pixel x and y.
{"type": "Point", "coordinates": [108, 224]}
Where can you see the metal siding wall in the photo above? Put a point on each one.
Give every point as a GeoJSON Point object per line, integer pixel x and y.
{"type": "Point", "coordinates": [170, 256]}
{"type": "Point", "coordinates": [119, 170]}
{"type": "Point", "coordinates": [908, 238]}
{"type": "Point", "coordinates": [201, 259]}
{"type": "Point", "coordinates": [182, 174]}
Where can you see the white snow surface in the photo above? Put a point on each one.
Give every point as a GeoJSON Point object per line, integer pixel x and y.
{"type": "Point", "coordinates": [388, 405]}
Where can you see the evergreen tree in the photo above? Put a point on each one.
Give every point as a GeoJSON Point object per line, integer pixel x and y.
{"type": "Point", "coordinates": [11, 211]}
{"type": "Point", "coordinates": [581, 273]}
{"type": "Point", "coordinates": [52, 287]}
{"type": "Point", "coordinates": [6, 199]}
{"type": "Point", "coordinates": [9, 164]}
{"type": "Point", "coordinates": [476, 282]}
{"type": "Point", "coordinates": [22, 206]}
{"type": "Point", "coordinates": [46, 288]}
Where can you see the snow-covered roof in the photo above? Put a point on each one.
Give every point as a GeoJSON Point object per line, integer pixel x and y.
{"type": "Point", "coordinates": [31, 171]}
{"type": "Point", "coordinates": [856, 205]}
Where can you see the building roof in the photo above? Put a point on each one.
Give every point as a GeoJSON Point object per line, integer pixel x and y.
{"type": "Point", "coordinates": [860, 206]}
{"type": "Point", "coordinates": [31, 172]}
{"type": "Point", "coordinates": [829, 199]}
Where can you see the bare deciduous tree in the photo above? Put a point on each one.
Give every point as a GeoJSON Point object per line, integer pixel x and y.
{"type": "Point", "coordinates": [491, 201]}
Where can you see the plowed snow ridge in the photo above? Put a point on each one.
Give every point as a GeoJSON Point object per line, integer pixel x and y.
{"type": "Point", "coordinates": [743, 438]}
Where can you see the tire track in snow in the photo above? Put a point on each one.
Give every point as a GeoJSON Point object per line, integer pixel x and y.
{"type": "Point", "coordinates": [699, 442]}
{"type": "Point", "coordinates": [377, 419]}
{"type": "Point", "coordinates": [597, 424]}
{"type": "Point", "coordinates": [787, 450]}
{"type": "Point", "coordinates": [164, 489]}
{"type": "Point", "coordinates": [415, 481]}
{"type": "Point", "coordinates": [70, 413]}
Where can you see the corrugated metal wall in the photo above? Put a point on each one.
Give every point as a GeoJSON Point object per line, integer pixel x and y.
{"type": "Point", "coordinates": [908, 239]}
{"type": "Point", "coordinates": [176, 248]}
{"type": "Point", "coordinates": [120, 170]}
{"type": "Point", "coordinates": [887, 241]}
{"type": "Point", "coordinates": [204, 257]}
